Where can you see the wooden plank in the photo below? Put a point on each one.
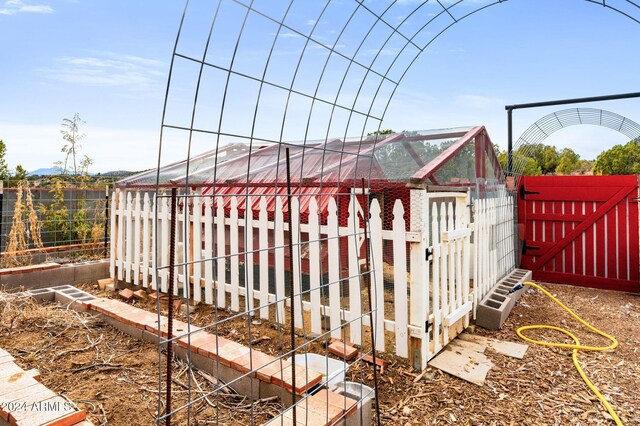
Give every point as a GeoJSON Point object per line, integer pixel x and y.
{"type": "Point", "coordinates": [455, 234]}
{"type": "Point", "coordinates": [146, 238]}
{"type": "Point", "coordinates": [597, 214]}
{"type": "Point", "coordinates": [196, 247]}
{"type": "Point", "coordinates": [622, 241]}
{"type": "Point", "coordinates": [462, 362]}
{"type": "Point", "coordinates": [444, 270]}
{"type": "Point", "coordinates": [333, 247]}
{"type": "Point", "coordinates": [264, 258]}
{"type": "Point", "coordinates": [560, 217]}
{"type": "Point", "coordinates": [249, 255]}
{"type": "Point", "coordinates": [419, 301]}
{"type": "Point", "coordinates": [633, 246]}
{"type": "Point", "coordinates": [436, 286]}
{"type": "Point", "coordinates": [588, 281]}
{"type": "Point", "coordinates": [234, 255]}
{"type": "Point", "coordinates": [120, 236]}
{"type": "Point", "coordinates": [355, 293]}
{"type": "Point", "coordinates": [314, 267]}
{"type": "Point", "coordinates": [163, 245]}
{"type": "Point", "coordinates": [154, 247]}
{"type": "Point", "coordinates": [220, 252]}
{"type": "Point", "coordinates": [137, 229]}
{"type": "Point", "coordinates": [297, 267]}
{"type": "Point", "coordinates": [400, 280]}
{"type": "Point", "coordinates": [571, 193]}
{"type": "Point", "coordinates": [113, 241]}
{"type": "Point", "coordinates": [208, 250]}
{"type": "Point", "coordinates": [279, 261]}
{"type": "Point", "coordinates": [454, 316]}
{"type": "Point", "coordinates": [512, 349]}
{"type": "Point", "coordinates": [377, 282]}
{"type": "Point", "coordinates": [128, 263]}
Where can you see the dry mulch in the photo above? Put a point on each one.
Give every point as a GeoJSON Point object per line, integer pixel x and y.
{"type": "Point", "coordinates": [542, 389]}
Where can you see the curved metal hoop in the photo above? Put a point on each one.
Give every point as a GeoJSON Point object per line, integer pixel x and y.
{"type": "Point", "coordinates": [292, 72]}
{"type": "Point", "coordinates": [551, 123]}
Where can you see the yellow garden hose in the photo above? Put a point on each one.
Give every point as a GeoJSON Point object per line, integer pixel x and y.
{"type": "Point", "coordinates": [576, 347]}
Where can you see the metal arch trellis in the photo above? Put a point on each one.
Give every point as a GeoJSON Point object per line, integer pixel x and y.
{"type": "Point", "coordinates": [550, 123]}
{"type": "Point", "coordinates": [366, 109]}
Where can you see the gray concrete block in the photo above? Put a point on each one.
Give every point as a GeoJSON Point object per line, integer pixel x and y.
{"type": "Point", "coordinates": [495, 307]}
{"type": "Point", "coordinates": [269, 389]}
{"type": "Point", "coordinates": [61, 275]}
{"type": "Point", "coordinates": [491, 314]}
{"type": "Point", "coordinates": [91, 271]}
{"type": "Point", "coordinates": [125, 328]}
{"type": "Point", "coordinates": [42, 295]}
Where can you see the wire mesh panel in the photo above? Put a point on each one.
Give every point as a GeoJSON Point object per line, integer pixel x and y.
{"type": "Point", "coordinates": [62, 222]}
{"type": "Point", "coordinates": [290, 244]}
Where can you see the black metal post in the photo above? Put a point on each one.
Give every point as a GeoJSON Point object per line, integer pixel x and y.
{"type": "Point", "coordinates": [291, 291]}
{"type": "Point", "coordinates": [106, 218]}
{"type": "Point", "coordinates": [509, 142]}
{"type": "Point", "coordinates": [172, 259]}
{"type": "Point", "coordinates": [370, 300]}
{"type": "Point", "coordinates": [574, 101]}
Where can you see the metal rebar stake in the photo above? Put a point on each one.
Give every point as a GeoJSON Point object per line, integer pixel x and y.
{"type": "Point", "coordinates": [291, 290]}
{"type": "Point", "coordinates": [368, 284]}
{"type": "Point", "coordinates": [172, 258]}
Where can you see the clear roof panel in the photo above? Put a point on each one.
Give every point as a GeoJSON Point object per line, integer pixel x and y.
{"type": "Point", "coordinates": [443, 156]}
{"type": "Point", "coordinates": [401, 159]}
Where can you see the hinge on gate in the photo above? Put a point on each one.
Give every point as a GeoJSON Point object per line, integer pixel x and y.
{"type": "Point", "coordinates": [525, 248]}
{"type": "Point", "coordinates": [427, 326]}
{"type": "Point", "coordinates": [428, 254]}
{"type": "Point", "coordinates": [524, 192]}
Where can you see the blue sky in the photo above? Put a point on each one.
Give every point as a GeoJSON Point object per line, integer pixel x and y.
{"type": "Point", "coordinates": [108, 60]}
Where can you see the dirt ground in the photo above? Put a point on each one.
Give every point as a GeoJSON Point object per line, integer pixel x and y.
{"type": "Point", "coordinates": [115, 377]}
{"type": "Point", "coordinates": [112, 376]}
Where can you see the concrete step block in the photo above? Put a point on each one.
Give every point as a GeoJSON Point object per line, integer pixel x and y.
{"type": "Point", "coordinates": [495, 307]}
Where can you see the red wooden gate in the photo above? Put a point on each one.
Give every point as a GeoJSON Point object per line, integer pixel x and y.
{"type": "Point", "coordinates": [581, 230]}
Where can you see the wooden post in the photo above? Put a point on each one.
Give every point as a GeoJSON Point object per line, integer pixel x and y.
{"type": "Point", "coordinates": [419, 302]}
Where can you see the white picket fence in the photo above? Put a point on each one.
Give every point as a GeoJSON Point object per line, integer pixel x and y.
{"type": "Point", "coordinates": [494, 243]}
{"type": "Point", "coordinates": [431, 300]}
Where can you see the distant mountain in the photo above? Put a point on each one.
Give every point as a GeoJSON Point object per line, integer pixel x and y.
{"type": "Point", "coordinates": [45, 171]}
{"type": "Point", "coordinates": [48, 171]}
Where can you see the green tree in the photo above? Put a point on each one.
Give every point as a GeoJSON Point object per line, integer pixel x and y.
{"type": "Point", "coordinates": [551, 159]}
{"type": "Point", "coordinates": [619, 160]}
{"type": "Point", "coordinates": [568, 163]}
{"type": "Point", "coordinates": [522, 164]}
{"type": "Point", "coordinates": [4, 169]}
{"type": "Point", "coordinates": [21, 173]}
{"type": "Point", "coordinates": [72, 136]}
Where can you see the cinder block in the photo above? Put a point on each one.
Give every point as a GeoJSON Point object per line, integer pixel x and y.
{"type": "Point", "coordinates": [91, 271]}
{"type": "Point", "coordinates": [42, 295]}
{"type": "Point", "coordinates": [62, 275]}
{"type": "Point", "coordinates": [68, 300]}
{"type": "Point", "coordinates": [495, 307]}
{"type": "Point", "coordinates": [125, 328]}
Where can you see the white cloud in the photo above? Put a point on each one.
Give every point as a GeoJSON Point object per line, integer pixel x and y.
{"type": "Point", "coordinates": [12, 7]}
{"type": "Point", "coordinates": [107, 69]}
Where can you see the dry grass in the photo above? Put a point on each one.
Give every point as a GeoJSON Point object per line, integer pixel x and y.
{"type": "Point", "coordinates": [111, 375]}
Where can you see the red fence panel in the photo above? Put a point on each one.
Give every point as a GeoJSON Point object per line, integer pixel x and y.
{"type": "Point", "coordinates": [581, 230]}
